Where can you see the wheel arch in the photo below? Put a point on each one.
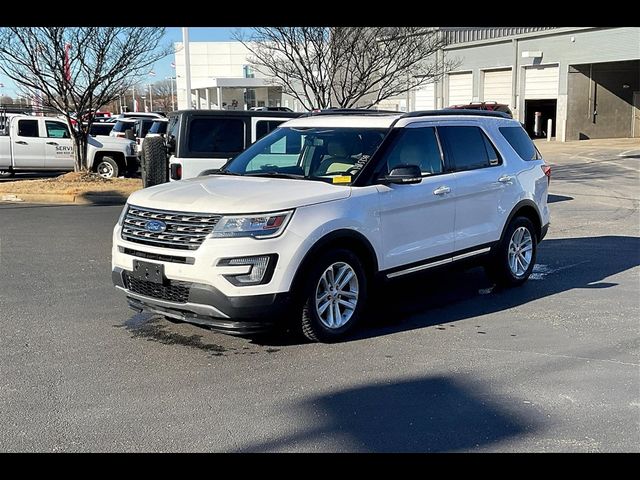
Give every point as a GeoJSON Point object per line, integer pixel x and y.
{"type": "Point", "coordinates": [525, 208]}
{"type": "Point", "coordinates": [342, 238]}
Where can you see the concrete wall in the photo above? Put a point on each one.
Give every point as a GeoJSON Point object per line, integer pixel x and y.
{"type": "Point", "coordinates": [562, 47]}
{"type": "Point", "coordinates": [607, 89]}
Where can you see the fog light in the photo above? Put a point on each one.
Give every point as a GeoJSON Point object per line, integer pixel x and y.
{"type": "Point", "coordinates": [260, 272]}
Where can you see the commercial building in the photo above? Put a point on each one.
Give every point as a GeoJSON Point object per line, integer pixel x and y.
{"type": "Point", "coordinates": [585, 79]}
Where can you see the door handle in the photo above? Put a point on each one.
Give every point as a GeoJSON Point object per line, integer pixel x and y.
{"type": "Point", "coordinates": [21, 142]}
{"type": "Point", "coordinates": [505, 179]}
{"type": "Point", "coordinates": [52, 143]}
{"type": "Point", "coordinates": [441, 190]}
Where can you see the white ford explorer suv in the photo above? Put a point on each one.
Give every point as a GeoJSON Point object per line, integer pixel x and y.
{"type": "Point", "coordinates": [300, 224]}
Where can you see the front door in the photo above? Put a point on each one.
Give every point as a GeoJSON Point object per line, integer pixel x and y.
{"type": "Point", "coordinates": [58, 146]}
{"type": "Point", "coordinates": [417, 221]}
{"type": "Point", "coordinates": [28, 147]}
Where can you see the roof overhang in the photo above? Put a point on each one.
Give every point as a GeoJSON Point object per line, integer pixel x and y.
{"type": "Point", "coordinates": [230, 82]}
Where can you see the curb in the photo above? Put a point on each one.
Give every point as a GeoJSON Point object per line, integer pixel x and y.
{"type": "Point", "coordinates": [63, 198]}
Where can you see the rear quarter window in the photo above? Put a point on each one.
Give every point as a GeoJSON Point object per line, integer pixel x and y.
{"type": "Point", "coordinates": [216, 135]}
{"type": "Point", "coordinates": [521, 143]}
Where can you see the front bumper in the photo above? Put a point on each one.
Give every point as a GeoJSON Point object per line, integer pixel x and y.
{"type": "Point", "coordinates": [206, 305]}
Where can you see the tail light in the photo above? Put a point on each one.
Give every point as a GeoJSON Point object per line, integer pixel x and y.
{"type": "Point", "coordinates": [546, 169]}
{"type": "Point", "coordinates": [176, 171]}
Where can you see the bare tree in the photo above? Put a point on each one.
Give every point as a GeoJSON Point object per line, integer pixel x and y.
{"type": "Point", "coordinates": [78, 69]}
{"type": "Point", "coordinates": [347, 66]}
{"type": "Point", "coordinates": [163, 95]}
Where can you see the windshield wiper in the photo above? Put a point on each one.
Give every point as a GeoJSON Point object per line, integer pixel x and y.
{"type": "Point", "coordinates": [276, 175]}
{"type": "Point", "coordinates": [224, 172]}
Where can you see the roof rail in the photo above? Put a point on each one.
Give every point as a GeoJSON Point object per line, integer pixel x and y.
{"type": "Point", "coordinates": [454, 111]}
{"type": "Point", "coordinates": [349, 111]}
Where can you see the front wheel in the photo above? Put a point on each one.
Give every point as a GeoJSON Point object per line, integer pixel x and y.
{"type": "Point", "coordinates": [335, 294]}
{"type": "Point", "coordinates": [515, 255]}
{"type": "Point", "coordinates": [107, 167]}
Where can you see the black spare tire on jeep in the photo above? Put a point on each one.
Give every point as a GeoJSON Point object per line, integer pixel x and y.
{"type": "Point", "coordinates": [154, 162]}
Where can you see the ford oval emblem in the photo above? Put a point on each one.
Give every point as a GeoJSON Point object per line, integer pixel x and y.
{"type": "Point", "coordinates": [155, 226]}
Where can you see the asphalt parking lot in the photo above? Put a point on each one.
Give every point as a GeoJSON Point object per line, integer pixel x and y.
{"type": "Point", "coordinates": [445, 364]}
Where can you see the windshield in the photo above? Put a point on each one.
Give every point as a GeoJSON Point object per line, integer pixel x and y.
{"type": "Point", "coordinates": [122, 126]}
{"type": "Point", "coordinates": [335, 155]}
{"type": "Point", "coordinates": [159, 127]}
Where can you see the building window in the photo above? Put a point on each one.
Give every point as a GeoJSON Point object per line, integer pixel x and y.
{"type": "Point", "coordinates": [248, 71]}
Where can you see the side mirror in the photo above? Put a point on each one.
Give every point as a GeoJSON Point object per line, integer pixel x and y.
{"type": "Point", "coordinates": [403, 175]}
{"type": "Point", "coordinates": [171, 144]}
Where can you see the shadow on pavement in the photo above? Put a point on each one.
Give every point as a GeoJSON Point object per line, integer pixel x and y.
{"type": "Point", "coordinates": [562, 265]}
{"type": "Point", "coordinates": [557, 198]}
{"type": "Point", "coordinates": [430, 414]}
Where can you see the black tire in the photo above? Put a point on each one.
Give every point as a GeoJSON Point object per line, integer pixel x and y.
{"type": "Point", "coordinates": [311, 325]}
{"type": "Point", "coordinates": [107, 167]}
{"type": "Point", "coordinates": [498, 268]}
{"type": "Point", "coordinates": [153, 162]}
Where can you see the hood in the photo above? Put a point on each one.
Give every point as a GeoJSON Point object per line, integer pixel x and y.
{"type": "Point", "coordinates": [103, 141]}
{"type": "Point", "coordinates": [228, 194]}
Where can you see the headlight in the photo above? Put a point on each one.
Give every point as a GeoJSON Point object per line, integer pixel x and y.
{"type": "Point", "coordinates": [267, 225]}
{"type": "Point", "coordinates": [123, 214]}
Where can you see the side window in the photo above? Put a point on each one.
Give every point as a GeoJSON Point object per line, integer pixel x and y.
{"type": "Point", "coordinates": [521, 143]}
{"type": "Point", "coordinates": [469, 148]}
{"type": "Point", "coordinates": [216, 135]}
{"type": "Point", "coordinates": [416, 146]}
{"type": "Point", "coordinates": [28, 128]}
{"type": "Point", "coordinates": [265, 126]}
{"type": "Point", "coordinates": [57, 130]}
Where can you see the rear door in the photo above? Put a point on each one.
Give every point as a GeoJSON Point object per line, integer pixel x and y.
{"type": "Point", "coordinates": [58, 146]}
{"type": "Point", "coordinates": [28, 146]}
{"type": "Point", "coordinates": [482, 184]}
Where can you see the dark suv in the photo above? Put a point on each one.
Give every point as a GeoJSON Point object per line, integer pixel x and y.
{"type": "Point", "coordinates": [491, 106]}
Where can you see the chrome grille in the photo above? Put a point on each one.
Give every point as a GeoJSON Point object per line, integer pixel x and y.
{"type": "Point", "coordinates": [184, 231]}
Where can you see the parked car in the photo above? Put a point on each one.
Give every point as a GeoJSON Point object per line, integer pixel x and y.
{"type": "Point", "coordinates": [490, 106]}
{"type": "Point", "coordinates": [101, 129]}
{"type": "Point", "coordinates": [45, 143]}
{"type": "Point", "coordinates": [301, 224]}
{"type": "Point", "coordinates": [200, 140]}
{"type": "Point", "coordinates": [139, 127]}
{"type": "Point", "coordinates": [271, 109]}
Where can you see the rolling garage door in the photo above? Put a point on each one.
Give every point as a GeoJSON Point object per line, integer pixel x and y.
{"type": "Point", "coordinates": [425, 97]}
{"type": "Point", "coordinates": [541, 82]}
{"type": "Point", "coordinates": [497, 86]}
{"type": "Point", "coordinates": [460, 88]}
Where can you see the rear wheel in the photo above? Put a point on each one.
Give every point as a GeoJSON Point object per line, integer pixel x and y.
{"type": "Point", "coordinates": [515, 256]}
{"type": "Point", "coordinates": [107, 167]}
{"type": "Point", "coordinates": [154, 162]}
{"type": "Point", "coordinates": [334, 296]}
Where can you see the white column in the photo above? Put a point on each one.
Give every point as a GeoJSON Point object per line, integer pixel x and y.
{"type": "Point", "coordinates": [198, 105]}
{"type": "Point", "coordinates": [208, 100]}
{"type": "Point", "coordinates": [219, 97]}
{"type": "Point", "coordinates": [187, 63]}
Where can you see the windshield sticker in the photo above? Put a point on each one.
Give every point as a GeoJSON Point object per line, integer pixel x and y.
{"type": "Point", "coordinates": [342, 179]}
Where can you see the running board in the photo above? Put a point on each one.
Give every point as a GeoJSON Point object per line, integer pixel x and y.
{"type": "Point", "coordinates": [425, 266]}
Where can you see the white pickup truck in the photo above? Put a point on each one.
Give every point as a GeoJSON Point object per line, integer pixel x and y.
{"type": "Point", "coordinates": [30, 143]}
